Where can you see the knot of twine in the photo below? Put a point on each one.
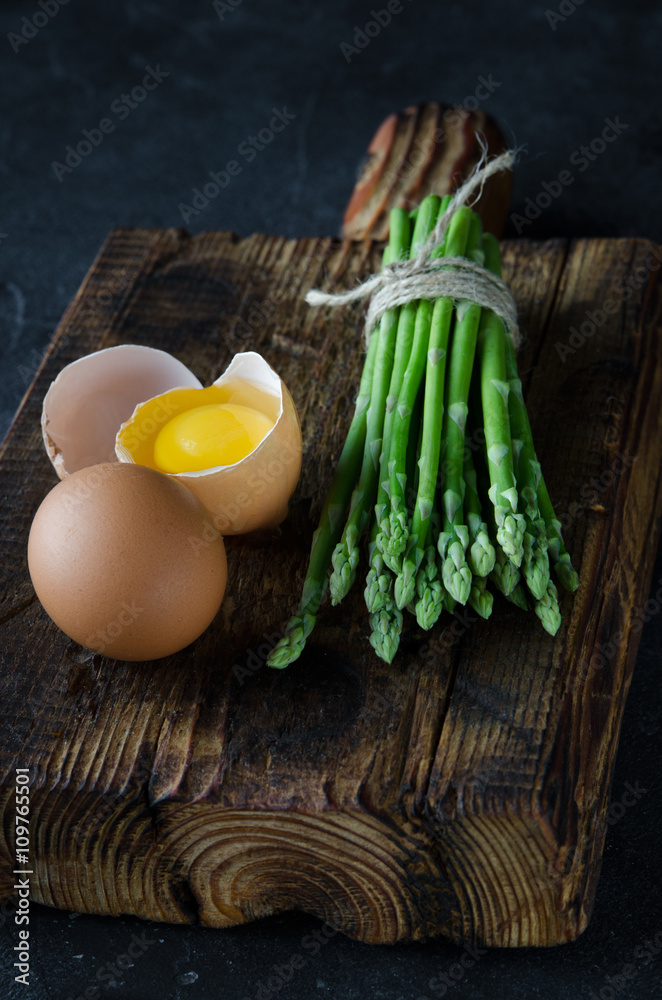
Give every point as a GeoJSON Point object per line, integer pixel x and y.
{"type": "Point", "coordinates": [427, 277]}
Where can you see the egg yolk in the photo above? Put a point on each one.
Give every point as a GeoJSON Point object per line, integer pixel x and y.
{"type": "Point", "coordinates": [207, 436]}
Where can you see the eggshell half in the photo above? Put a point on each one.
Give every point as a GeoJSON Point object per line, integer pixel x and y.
{"type": "Point", "coordinates": [253, 493]}
{"type": "Point", "coordinates": [93, 396]}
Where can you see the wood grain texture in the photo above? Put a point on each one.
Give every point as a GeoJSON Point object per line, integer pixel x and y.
{"type": "Point", "coordinates": [462, 790]}
{"type": "Point", "coordinates": [427, 148]}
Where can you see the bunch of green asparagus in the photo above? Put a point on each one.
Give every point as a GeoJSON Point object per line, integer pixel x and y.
{"type": "Point", "coordinates": [439, 466]}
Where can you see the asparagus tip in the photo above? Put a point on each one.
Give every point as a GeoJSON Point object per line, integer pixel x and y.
{"type": "Point", "coordinates": [567, 576]}
{"type": "Point", "coordinates": [547, 610]}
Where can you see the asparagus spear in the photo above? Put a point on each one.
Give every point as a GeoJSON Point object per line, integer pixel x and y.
{"type": "Point", "coordinates": [535, 561]}
{"type": "Point", "coordinates": [431, 594]}
{"type": "Point", "coordinates": [405, 338]}
{"type": "Point", "coordinates": [481, 555]}
{"type": "Point", "coordinates": [455, 571]}
{"type": "Point", "coordinates": [504, 574]}
{"type": "Point", "coordinates": [527, 469]}
{"type": "Point", "coordinates": [494, 393]}
{"type": "Point", "coordinates": [449, 602]}
{"type": "Point", "coordinates": [563, 567]}
{"type": "Point", "coordinates": [384, 616]}
{"type": "Point", "coordinates": [413, 468]}
{"type": "Point", "coordinates": [386, 625]}
{"type": "Point", "coordinates": [454, 540]}
{"type": "Point", "coordinates": [547, 609]}
{"type": "Point", "coordinates": [480, 598]}
{"type": "Point", "coordinates": [380, 569]}
{"type": "Point", "coordinates": [395, 526]}
{"type": "Point", "coordinates": [433, 412]}
{"type": "Point", "coordinates": [530, 482]}
{"type": "Point", "coordinates": [535, 564]}
{"type": "Point", "coordinates": [429, 589]}
{"type": "Point", "coordinates": [345, 556]}
{"type": "Point", "coordinates": [518, 596]}
{"type": "Point", "coordinates": [379, 582]}
{"type": "Point", "coordinates": [396, 533]}
{"type": "Point", "coordinates": [412, 464]}
{"type": "Point", "coordinates": [301, 624]}
{"type": "Point", "coordinates": [386, 622]}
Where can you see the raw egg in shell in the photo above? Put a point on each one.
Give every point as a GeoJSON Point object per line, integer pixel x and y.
{"type": "Point", "coordinates": [235, 444]}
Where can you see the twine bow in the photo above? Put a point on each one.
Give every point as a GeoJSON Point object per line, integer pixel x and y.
{"type": "Point", "coordinates": [427, 277]}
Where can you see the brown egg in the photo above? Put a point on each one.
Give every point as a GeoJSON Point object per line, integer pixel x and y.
{"type": "Point", "coordinates": [126, 561]}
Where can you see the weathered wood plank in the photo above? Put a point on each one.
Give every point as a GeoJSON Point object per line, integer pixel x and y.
{"type": "Point", "coordinates": [460, 791]}
{"type": "Point", "coordinates": [426, 148]}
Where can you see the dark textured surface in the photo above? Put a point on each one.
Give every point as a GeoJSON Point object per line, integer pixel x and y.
{"type": "Point", "coordinates": [557, 88]}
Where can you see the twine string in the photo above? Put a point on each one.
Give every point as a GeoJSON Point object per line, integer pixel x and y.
{"type": "Point", "coordinates": [427, 277]}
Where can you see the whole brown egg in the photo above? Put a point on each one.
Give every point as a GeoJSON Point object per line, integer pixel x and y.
{"type": "Point", "coordinates": [126, 561]}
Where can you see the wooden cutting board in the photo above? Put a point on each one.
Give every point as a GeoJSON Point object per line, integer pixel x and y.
{"type": "Point", "coordinates": [460, 791]}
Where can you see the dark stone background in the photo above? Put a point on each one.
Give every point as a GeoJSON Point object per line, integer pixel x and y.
{"type": "Point", "coordinates": [557, 86]}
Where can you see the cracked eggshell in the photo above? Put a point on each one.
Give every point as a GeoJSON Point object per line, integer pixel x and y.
{"type": "Point", "coordinates": [251, 494]}
{"type": "Point", "coordinates": [93, 396]}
